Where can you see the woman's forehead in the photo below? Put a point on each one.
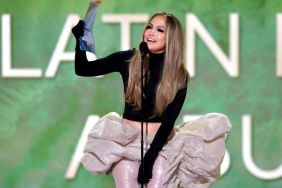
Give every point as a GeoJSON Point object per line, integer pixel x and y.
{"type": "Point", "coordinates": [158, 20]}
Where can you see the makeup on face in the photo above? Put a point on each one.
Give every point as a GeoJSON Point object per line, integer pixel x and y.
{"type": "Point", "coordinates": [155, 34]}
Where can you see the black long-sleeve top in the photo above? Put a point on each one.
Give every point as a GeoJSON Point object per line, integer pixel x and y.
{"type": "Point", "coordinates": [119, 62]}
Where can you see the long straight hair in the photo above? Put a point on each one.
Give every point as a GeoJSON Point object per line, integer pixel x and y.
{"type": "Point", "coordinates": [174, 76]}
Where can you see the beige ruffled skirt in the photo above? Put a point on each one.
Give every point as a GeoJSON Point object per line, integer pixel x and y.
{"type": "Point", "coordinates": [193, 155]}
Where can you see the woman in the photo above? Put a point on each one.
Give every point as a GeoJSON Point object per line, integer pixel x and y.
{"type": "Point", "coordinates": [173, 157]}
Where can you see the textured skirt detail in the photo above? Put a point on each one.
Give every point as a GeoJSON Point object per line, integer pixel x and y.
{"type": "Point", "coordinates": [193, 155]}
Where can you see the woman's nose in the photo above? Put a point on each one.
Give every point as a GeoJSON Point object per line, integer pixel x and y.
{"type": "Point", "coordinates": [152, 32]}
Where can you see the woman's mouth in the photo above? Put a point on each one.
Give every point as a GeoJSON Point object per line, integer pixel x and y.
{"type": "Point", "coordinates": [150, 40]}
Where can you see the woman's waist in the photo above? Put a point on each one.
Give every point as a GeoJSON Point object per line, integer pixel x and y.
{"type": "Point", "coordinates": [149, 128]}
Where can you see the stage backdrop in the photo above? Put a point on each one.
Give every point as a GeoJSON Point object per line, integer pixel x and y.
{"type": "Point", "coordinates": [233, 52]}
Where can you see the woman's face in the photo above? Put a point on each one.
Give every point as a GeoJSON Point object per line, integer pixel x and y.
{"type": "Point", "coordinates": [155, 34]}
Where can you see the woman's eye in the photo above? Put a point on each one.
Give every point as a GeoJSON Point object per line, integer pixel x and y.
{"type": "Point", "coordinates": [160, 30]}
{"type": "Point", "coordinates": [149, 27]}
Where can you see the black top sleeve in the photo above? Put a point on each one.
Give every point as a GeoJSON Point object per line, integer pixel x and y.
{"type": "Point", "coordinates": [169, 118]}
{"type": "Point", "coordinates": [116, 62]}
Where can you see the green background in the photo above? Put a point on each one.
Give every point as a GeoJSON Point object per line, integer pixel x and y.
{"type": "Point", "coordinates": [41, 119]}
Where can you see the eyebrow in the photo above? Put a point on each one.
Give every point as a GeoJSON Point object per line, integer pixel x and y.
{"type": "Point", "coordinates": [157, 26]}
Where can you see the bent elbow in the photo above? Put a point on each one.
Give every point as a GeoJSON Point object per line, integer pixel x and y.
{"type": "Point", "coordinates": [78, 72]}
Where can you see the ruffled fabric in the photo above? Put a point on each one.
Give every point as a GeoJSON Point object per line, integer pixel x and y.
{"type": "Point", "coordinates": [193, 155]}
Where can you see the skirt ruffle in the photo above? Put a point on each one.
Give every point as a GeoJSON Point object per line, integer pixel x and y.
{"type": "Point", "coordinates": [193, 155]}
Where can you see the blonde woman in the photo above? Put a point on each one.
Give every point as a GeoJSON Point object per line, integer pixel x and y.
{"type": "Point", "coordinates": [187, 156]}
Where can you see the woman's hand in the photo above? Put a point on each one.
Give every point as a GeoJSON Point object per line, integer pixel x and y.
{"type": "Point", "coordinates": [148, 170]}
{"type": "Point", "coordinates": [78, 29]}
